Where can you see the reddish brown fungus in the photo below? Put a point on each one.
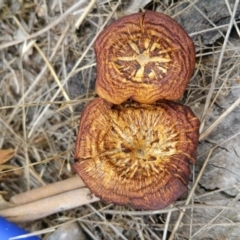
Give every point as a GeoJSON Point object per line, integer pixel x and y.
{"type": "Point", "coordinates": [136, 154]}
{"type": "Point", "coordinates": [144, 56]}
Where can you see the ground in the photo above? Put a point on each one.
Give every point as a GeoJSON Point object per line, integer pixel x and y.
{"type": "Point", "coordinates": [47, 76]}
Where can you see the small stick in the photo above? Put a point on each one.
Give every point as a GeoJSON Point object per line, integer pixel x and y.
{"type": "Point", "coordinates": [47, 206]}
{"type": "Point", "coordinates": [48, 190]}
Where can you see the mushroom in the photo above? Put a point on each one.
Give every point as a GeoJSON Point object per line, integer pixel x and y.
{"type": "Point", "coordinates": [144, 56]}
{"type": "Point", "coordinates": [136, 154]}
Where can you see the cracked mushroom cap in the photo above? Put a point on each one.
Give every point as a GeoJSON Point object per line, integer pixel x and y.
{"type": "Point", "coordinates": [144, 56]}
{"type": "Point", "coordinates": [136, 154]}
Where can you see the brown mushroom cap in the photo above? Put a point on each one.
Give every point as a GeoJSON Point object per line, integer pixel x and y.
{"type": "Point", "coordinates": [144, 56]}
{"type": "Point", "coordinates": [136, 154]}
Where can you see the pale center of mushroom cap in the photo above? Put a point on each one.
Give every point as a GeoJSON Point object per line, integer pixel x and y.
{"type": "Point", "coordinates": [143, 58]}
{"type": "Point", "coordinates": [140, 143]}
{"type": "Point", "coordinates": [147, 155]}
{"type": "Point", "coordinates": [140, 153]}
{"type": "Point", "coordinates": [152, 57]}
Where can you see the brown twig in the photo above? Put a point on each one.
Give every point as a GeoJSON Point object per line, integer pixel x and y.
{"type": "Point", "coordinates": [50, 205]}
{"type": "Point", "coordinates": [48, 190]}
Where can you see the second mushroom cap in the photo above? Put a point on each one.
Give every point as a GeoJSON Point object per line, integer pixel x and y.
{"type": "Point", "coordinates": [136, 154]}
{"type": "Point", "coordinates": [144, 56]}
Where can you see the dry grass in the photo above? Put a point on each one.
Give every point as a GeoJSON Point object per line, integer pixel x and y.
{"type": "Point", "coordinates": [47, 74]}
